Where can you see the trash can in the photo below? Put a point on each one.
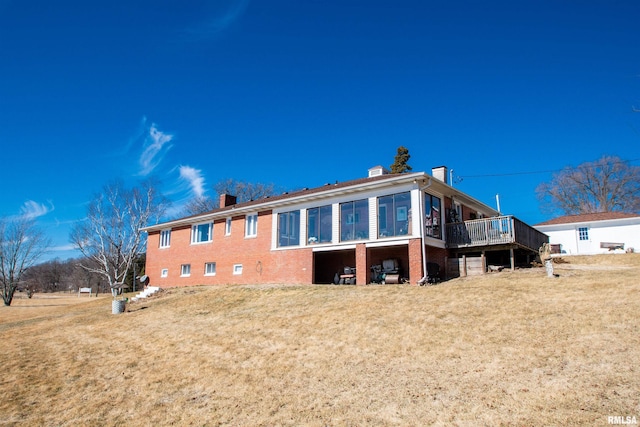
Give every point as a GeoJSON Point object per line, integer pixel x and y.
{"type": "Point", "coordinates": [118, 306]}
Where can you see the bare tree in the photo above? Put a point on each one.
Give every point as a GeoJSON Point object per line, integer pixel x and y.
{"type": "Point", "coordinates": [21, 245]}
{"type": "Point", "coordinates": [50, 276]}
{"type": "Point", "coordinates": [110, 238]}
{"type": "Point", "coordinates": [606, 185]}
{"type": "Point", "coordinates": [243, 191]}
{"type": "Point", "coordinates": [199, 205]}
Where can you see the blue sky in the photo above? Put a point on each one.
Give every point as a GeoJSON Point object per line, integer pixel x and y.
{"type": "Point", "coordinates": [300, 93]}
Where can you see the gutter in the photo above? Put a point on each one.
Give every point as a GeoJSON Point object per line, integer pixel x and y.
{"type": "Point", "coordinates": [422, 232]}
{"type": "Point", "coordinates": [271, 204]}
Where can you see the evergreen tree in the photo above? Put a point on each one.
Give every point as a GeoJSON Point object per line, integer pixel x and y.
{"type": "Point", "coordinates": [400, 161]}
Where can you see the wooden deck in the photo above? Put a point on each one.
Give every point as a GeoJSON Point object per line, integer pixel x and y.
{"type": "Point", "coordinates": [507, 231]}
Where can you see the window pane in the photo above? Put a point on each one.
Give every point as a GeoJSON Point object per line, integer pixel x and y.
{"type": "Point", "coordinates": [385, 216]}
{"type": "Point", "coordinates": [402, 211]}
{"type": "Point", "coordinates": [325, 224]}
{"type": "Point", "coordinates": [201, 233]}
{"type": "Point", "coordinates": [185, 269]}
{"type": "Point", "coordinates": [433, 217]}
{"type": "Point", "coordinates": [361, 219]}
{"type": "Point", "coordinates": [313, 232]}
{"type": "Point", "coordinates": [210, 268]}
{"type": "Point", "coordinates": [252, 223]}
{"type": "Point", "coordinates": [346, 221]}
{"type": "Point", "coordinates": [165, 238]}
{"type": "Point", "coordinates": [583, 233]}
{"type": "Point", "coordinates": [289, 228]}
{"type": "Point", "coordinates": [354, 220]}
{"type": "Point", "coordinates": [394, 214]}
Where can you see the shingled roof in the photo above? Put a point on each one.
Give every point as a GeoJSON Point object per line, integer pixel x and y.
{"type": "Point", "coordinates": [588, 217]}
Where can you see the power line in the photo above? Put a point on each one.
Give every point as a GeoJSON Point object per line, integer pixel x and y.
{"type": "Point", "coordinates": [534, 172]}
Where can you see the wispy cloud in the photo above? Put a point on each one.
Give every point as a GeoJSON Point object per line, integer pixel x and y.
{"type": "Point", "coordinates": [194, 178]}
{"type": "Point", "coordinates": [219, 20]}
{"type": "Point", "coordinates": [156, 145]}
{"type": "Point", "coordinates": [63, 248]}
{"type": "Point", "coordinates": [31, 209]}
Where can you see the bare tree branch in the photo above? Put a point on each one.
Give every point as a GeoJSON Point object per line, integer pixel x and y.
{"type": "Point", "coordinates": [606, 185]}
{"type": "Point", "coordinates": [21, 245]}
{"type": "Point", "coordinates": [110, 238]}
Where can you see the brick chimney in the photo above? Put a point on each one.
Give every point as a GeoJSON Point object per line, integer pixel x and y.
{"type": "Point", "coordinates": [227, 200]}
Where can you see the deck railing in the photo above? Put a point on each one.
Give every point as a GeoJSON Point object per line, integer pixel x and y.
{"type": "Point", "coordinates": [499, 230]}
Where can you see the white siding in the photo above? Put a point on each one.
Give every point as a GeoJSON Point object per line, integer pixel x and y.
{"type": "Point", "coordinates": [625, 231]}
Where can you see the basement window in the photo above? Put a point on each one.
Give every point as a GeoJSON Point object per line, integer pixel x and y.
{"type": "Point", "coordinates": [210, 269]}
{"type": "Point", "coordinates": [185, 270]}
{"type": "Point", "coordinates": [237, 269]}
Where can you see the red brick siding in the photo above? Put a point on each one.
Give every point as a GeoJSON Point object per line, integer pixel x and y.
{"type": "Point", "coordinates": [415, 261]}
{"type": "Point", "coordinates": [259, 263]}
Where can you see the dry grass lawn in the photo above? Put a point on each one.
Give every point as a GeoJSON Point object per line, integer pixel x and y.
{"type": "Point", "coordinates": [509, 348]}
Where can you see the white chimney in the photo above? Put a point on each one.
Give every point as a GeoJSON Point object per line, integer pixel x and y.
{"type": "Point", "coordinates": [440, 173]}
{"type": "Point", "coordinates": [377, 171]}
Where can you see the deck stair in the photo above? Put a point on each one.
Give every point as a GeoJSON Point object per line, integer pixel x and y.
{"type": "Point", "coordinates": [148, 291]}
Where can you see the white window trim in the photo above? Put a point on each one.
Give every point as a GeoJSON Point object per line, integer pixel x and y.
{"type": "Point", "coordinates": [162, 239]}
{"type": "Point", "coordinates": [246, 227]}
{"type": "Point", "coordinates": [237, 269]}
{"type": "Point", "coordinates": [205, 269]}
{"type": "Point", "coordinates": [182, 269]}
{"type": "Point", "coordinates": [194, 227]}
{"type": "Point", "coordinates": [164, 272]}
{"type": "Point", "coordinates": [227, 227]}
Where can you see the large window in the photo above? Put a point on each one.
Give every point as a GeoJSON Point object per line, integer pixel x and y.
{"type": "Point", "coordinates": [354, 220]}
{"type": "Point", "coordinates": [251, 225]}
{"type": "Point", "coordinates": [289, 228]}
{"type": "Point", "coordinates": [319, 224]}
{"type": "Point", "coordinates": [201, 233]}
{"type": "Point", "coordinates": [433, 218]}
{"type": "Point", "coordinates": [165, 238]}
{"type": "Point", "coordinates": [394, 213]}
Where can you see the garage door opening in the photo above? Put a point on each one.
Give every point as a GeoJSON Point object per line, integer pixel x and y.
{"type": "Point", "coordinates": [327, 264]}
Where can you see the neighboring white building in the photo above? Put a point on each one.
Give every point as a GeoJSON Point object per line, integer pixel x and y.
{"type": "Point", "coordinates": [596, 233]}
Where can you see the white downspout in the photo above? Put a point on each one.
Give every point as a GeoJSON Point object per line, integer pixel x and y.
{"type": "Point", "coordinates": [422, 233]}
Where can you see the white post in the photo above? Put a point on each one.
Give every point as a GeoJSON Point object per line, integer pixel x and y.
{"type": "Point", "coordinates": [548, 265]}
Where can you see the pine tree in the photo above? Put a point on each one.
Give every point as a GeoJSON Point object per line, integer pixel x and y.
{"type": "Point", "coordinates": [400, 161]}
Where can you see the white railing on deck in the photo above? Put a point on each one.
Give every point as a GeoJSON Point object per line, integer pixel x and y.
{"type": "Point", "coordinates": [494, 231]}
{"type": "Point", "coordinates": [481, 232]}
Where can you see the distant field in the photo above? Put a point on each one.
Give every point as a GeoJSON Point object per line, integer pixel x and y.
{"type": "Point", "coordinates": [508, 348]}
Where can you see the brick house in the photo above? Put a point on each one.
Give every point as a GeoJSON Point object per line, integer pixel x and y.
{"type": "Point", "coordinates": [403, 224]}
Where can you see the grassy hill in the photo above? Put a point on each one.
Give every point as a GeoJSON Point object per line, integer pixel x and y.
{"type": "Point", "coordinates": [514, 348]}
